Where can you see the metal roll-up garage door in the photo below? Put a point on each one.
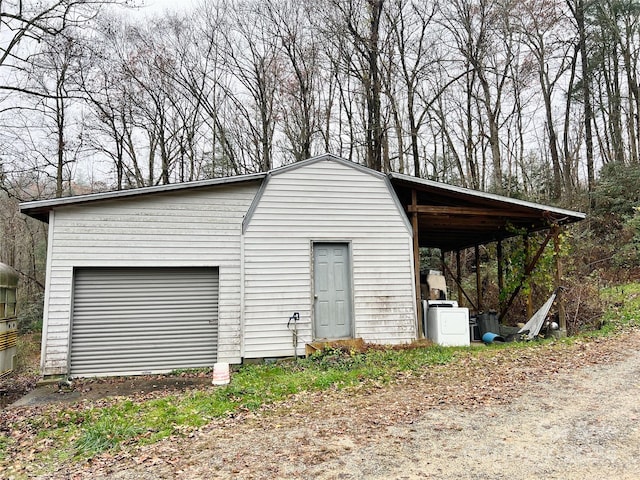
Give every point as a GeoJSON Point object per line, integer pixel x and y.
{"type": "Point", "coordinates": [133, 321]}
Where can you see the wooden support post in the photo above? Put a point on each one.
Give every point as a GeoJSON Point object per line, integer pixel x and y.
{"type": "Point", "coordinates": [459, 278]}
{"type": "Point", "coordinates": [500, 255]}
{"type": "Point", "coordinates": [478, 279]}
{"type": "Point", "coordinates": [443, 267]}
{"type": "Point", "coordinates": [527, 258]}
{"type": "Point", "coordinates": [562, 316]}
{"type": "Point", "coordinates": [416, 262]}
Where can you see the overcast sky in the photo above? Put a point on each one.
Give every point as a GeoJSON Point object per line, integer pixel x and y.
{"type": "Point", "coordinates": [160, 5]}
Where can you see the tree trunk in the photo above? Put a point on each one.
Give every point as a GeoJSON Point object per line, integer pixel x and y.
{"type": "Point", "coordinates": [553, 139]}
{"type": "Point", "coordinates": [494, 138]}
{"type": "Point", "coordinates": [374, 127]}
{"type": "Point", "coordinates": [586, 92]}
{"type": "Point", "coordinates": [569, 181]}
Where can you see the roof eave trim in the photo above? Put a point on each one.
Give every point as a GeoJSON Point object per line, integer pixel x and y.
{"type": "Point", "coordinates": [326, 157]}
{"type": "Point", "coordinates": [254, 203]}
{"type": "Point", "coordinates": [36, 208]}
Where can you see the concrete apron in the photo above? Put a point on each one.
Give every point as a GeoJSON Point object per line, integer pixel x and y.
{"type": "Point", "coordinates": [57, 391]}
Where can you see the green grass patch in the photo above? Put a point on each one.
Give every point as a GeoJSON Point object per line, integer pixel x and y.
{"type": "Point", "coordinates": [92, 430]}
{"type": "Point", "coordinates": [622, 308]}
{"type": "Point", "coordinates": [4, 446]}
{"type": "Point", "coordinates": [108, 429]}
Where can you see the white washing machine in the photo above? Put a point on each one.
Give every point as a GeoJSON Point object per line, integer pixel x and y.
{"type": "Point", "coordinates": [446, 323]}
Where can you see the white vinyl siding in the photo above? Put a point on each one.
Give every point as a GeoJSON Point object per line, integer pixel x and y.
{"type": "Point", "coordinates": [189, 228]}
{"type": "Point", "coordinates": [325, 201]}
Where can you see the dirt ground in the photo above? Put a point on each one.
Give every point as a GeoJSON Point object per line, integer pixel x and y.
{"type": "Point", "coordinates": [93, 389]}
{"type": "Point", "coordinates": [568, 413]}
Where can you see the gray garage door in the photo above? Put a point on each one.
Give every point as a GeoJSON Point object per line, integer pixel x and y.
{"type": "Point", "coordinates": [132, 321]}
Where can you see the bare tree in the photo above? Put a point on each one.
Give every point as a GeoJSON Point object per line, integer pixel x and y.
{"type": "Point", "coordinates": [253, 59]}
{"type": "Point", "coordinates": [578, 11]}
{"type": "Point", "coordinates": [352, 28]}
{"type": "Point", "coordinates": [138, 101]}
{"type": "Point", "coordinates": [413, 29]}
{"type": "Point", "coordinates": [33, 30]}
{"type": "Point", "coordinates": [618, 23]}
{"type": "Point", "coordinates": [53, 72]}
{"type": "Point", "coordinates": [204, 80]}
{"type": "Point", "coordinates": [289, 24]}
{"type": "Point", "coordinates": [107, 93]}
{"type": "Point", "coordinates": [26, 22]}
{"type": "Point", "coordinates": [483, 40]}
{"type": "Point", "coordinates": [541, 26]}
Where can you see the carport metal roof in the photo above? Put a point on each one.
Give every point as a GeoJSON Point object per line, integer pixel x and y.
{"type": "Point", "coordinates": [454, 218]}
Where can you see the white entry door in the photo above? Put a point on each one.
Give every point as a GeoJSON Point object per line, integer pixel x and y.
{"type": "Point", "coordinates": [332, 291]}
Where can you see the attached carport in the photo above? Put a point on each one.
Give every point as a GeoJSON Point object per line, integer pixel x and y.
{"type": "Point", "coordinates": [453, 219]}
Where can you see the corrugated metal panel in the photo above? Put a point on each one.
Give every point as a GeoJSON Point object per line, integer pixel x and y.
{"type": "Point", "coordinates": [129, 321]}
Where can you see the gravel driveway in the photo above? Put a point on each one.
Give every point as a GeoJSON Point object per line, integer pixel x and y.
{"type": "Point", "coordinates": [582, 425]}
{"type": "Point", "coordinates": [568, 413]}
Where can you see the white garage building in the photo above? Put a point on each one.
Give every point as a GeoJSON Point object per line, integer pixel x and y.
{"type": "Point", "coordinates": [179, 276]}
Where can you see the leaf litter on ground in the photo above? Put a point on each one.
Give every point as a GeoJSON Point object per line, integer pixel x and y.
{"type": "Point", "coordinates": [472, 377]}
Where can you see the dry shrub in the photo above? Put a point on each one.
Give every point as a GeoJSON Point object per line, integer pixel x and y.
{"type": "Point", "coordinates": [583, 304]}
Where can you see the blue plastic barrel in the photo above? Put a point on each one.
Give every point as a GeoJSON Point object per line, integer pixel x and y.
{"type": "Point", "coordinates": [491, 337]}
